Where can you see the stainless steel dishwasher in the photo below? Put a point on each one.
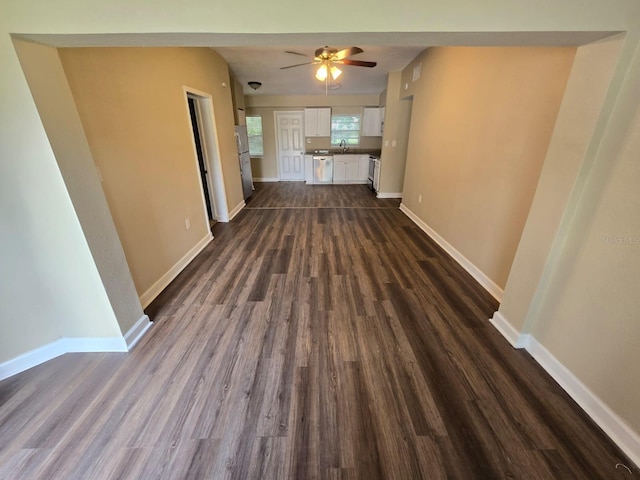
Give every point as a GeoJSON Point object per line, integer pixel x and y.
{"type": "Point", "coordinates": [322, 169]}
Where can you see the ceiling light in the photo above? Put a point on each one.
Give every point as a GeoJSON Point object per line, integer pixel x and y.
{"type": "Point", "coordinates": [255, 85]}
{"type": "Point", "coordinates": [321, 74]}
{"type": "Point", "coordinates": [325, 68]}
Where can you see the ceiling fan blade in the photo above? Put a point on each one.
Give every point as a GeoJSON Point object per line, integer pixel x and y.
{"type": "Point", "coordinates": [347, 52]}
{"type": "Point", "coordinates": [359, 63]}
{"type": "Point", "coordinates": [295, 53]}
{"type": "Point", "coordinates": [297, 65]}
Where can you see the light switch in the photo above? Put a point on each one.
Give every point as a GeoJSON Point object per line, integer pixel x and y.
{"type": "Point", "coordinates": [393, 144]}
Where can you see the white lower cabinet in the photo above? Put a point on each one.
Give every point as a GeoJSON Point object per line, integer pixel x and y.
{"type": "Point", "coordinates": [363, 168]}
{"type": "Point", "coordinates": [308, 169]}
{"type": "Point", "coordinates": [348, 169]}
{"type": "Point", "coordinates": [339, 171]}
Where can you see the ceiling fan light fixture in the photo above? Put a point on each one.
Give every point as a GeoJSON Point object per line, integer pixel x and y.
{"type": "Point", "coordinates": [335, 72]}
{"type": "Point", "coordinates": [322, 73]}
{"type": "Point", "coordinates": [255, 85]}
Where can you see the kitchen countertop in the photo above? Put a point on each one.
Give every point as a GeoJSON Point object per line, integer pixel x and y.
{"type": "Point", "coordinates": [338, 151]}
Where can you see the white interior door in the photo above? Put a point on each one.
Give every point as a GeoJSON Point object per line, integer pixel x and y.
{"type": "Point", "coordinates": [290, 144]}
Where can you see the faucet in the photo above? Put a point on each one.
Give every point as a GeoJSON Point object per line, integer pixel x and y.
{"type": "Point", "coordinates": [343, 145]}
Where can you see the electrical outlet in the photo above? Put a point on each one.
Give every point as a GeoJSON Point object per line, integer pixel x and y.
{"type": "Point", "coordinates": [308, 140]}
{"type": "Point", "coordinates": [187, 223]}
{"type": "Point", "coordinates": [393, 143]}
{"type": "Point", "coordinates": [419, 198]}
{"type": "Point", "coordinates": [386, 143]}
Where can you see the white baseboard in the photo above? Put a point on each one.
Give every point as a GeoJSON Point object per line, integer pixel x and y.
{"type": "Point", "coordinates": [388, 195]}
{"type": "Point", "coordinates": [136, 332]}
{"type": "Point", "coordinates": [508, 331]}
{"type": "Point", "coordinates": [152, 292]}
{"type": "Point", "coordinates": [57, 348]}
{"type": "Point", "coordinates": [236, 210]}
{"type": "Point", "coordinates": [266, 180]}
{"type": "Point", "coordinates": [488, 284]}
{"type": "Point", "coordinates": [615, 427]}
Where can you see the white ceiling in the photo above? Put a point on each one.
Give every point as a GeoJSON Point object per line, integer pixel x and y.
{"type": "Point", "coordinates": [263, 64]}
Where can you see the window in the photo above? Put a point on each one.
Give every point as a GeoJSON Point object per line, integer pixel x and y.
{"type": "Point", "coordinates": [254, 132]}
{"type": "Point", "coordinates": [345, 127]}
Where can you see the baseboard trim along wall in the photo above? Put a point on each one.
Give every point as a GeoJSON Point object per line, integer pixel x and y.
{"type": "Point", "coordinates": [506, 329]}
{"type": "Point", "coordinates": [464, 262]}
{"type": "Point", "coordinates": [266, 180]}
{"type": "Point", "coordinates": [60, 347]}
{"type": "Point", "coordinates": [136, 332]}
{"type": "Point", "coordinates": [388, 195]}
{"type": "Point", "coordinates": [238, 208]}
{"type": "Point", "coordinates": [147, 297]}
{"type": "Point", "coordinates": [615, 427]}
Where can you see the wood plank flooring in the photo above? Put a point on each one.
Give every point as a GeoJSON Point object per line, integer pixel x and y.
{"type": "Point", "coordinates": [321, 335]}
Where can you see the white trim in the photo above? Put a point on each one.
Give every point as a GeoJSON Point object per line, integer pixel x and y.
{"type": "Point", "coordinates": [136, 332]}
{"type": "Point", "coordinates": [236, 210]}
{"type": "Point", "coordinates": [614, 426]}
{"type": "Point", "coordinates": [388, 195]}
{"type": "Point", "coordinates": [152, 292]}
{"type": "Point", "coordinates": [266, 180]}
{"type": "Point", "coordinates": [211, 151]}
{"type": "Point", "coordinates": [508, 331]}
{"type": "Point", "coordinates": [60, 347]}
{"type": "Point", "coordinates": [474, 271]}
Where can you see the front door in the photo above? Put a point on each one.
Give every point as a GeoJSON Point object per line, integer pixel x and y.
{"type": "Point", "coordinates": [290, 144]}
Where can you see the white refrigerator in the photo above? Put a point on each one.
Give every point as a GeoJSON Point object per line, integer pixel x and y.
{"type": "Point", "coordinates": [245, 160]}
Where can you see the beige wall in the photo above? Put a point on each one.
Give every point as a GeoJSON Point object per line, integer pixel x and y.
{"type": "Point", "coordinates": [134, 112]}
{"type": "Point", "coordinates": [590, 76]}
{"type": "Point", "coordinates": [60, 118]}
{"type": "Point", "coordinates": [480, 127]}
{"type": "Point", "coordinates": [585, 306]}
{"type": "Point", "coordinates": [397, 120]}
{"type": "Point", "coordinates": [264, 106]}
{"type": "Point", "coordinates": [588, 316]}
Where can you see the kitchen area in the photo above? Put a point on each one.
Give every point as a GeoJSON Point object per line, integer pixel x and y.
{"type": "Point", "coordinates": [348, 162]}
{"type": "Point", "coordinates": [343, 139]}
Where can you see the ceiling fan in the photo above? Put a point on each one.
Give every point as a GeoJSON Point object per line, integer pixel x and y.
{"type": "Point", "coordinates": [328, 58]}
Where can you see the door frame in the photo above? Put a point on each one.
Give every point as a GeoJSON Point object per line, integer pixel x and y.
{"type": "Point", "coordinates": [275, 129]}
{"type": "Point", "coordinates": [211, 153]}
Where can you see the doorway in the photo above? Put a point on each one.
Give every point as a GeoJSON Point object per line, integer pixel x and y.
{"type": "Point", "coordinates": [207, 156]}
{"type": "Point", "coordinates": [202, 164]}
{"type": "Point", "coordinates": [290, 145]}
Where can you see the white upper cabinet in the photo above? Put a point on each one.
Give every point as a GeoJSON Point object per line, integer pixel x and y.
{"type": "Point", "coordinates": [372, 122]}
{"type": "Point", "coordinates": [317, 122]}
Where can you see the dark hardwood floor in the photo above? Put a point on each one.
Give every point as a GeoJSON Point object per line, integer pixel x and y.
{"type": "Point", "coordinates": [320, 335]}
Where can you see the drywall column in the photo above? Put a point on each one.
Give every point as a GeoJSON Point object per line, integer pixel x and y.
{"type": "Point", "coordinates": [395, 138]}
{"type": "Point", "coordinates": [48, 84]}
{"type": "Point", "coordinates": [589, 78]}
{"type": "Point", "coordinates": [49, 284]}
